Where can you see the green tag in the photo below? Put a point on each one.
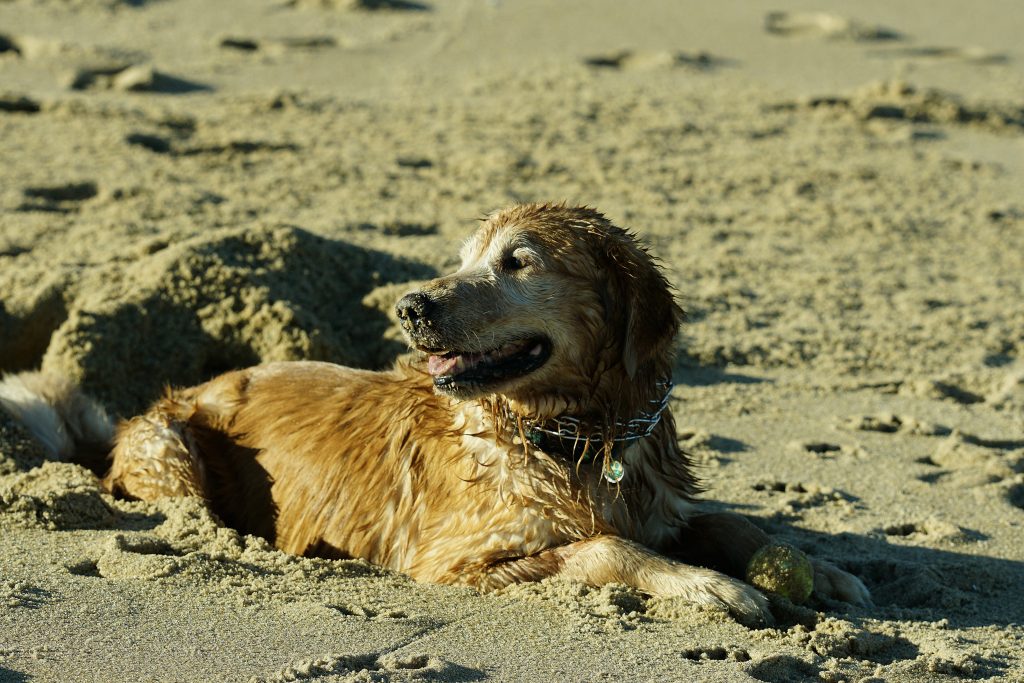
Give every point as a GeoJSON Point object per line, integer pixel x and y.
{"type": "Point", "coordinates": [615, 472]}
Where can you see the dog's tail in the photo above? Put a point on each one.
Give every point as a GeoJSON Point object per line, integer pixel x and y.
{"type": "Point", "coordinates": [68, 424]}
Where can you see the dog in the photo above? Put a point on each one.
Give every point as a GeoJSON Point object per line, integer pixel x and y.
{"type": "Point", "coordinates": [527, 435]}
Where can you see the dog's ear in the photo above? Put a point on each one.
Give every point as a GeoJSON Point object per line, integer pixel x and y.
{"type": "Point", "coordinates": [640, 303]}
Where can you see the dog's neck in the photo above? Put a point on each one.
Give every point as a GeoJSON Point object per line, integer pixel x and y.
{"type": "Point", "coordinates": [579, 438]}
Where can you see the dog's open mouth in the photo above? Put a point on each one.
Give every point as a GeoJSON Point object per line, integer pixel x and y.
{"type": "Point", "coordinates": [508, 361]}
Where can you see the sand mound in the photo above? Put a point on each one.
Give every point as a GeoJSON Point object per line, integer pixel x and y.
{"type": "Point", "coordinates": [55, 496]}
{"type": "Point", "coordinates": [181, 313]}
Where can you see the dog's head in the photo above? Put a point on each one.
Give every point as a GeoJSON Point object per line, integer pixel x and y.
{"type": "Point", "coordinates": [553, 308]}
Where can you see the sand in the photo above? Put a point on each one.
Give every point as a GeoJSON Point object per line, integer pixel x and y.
{"type": "Point", "coordinates": [838, 198]}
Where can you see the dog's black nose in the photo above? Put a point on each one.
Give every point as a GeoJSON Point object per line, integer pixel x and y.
{"type": "Point", "coordinates": [414, 308]}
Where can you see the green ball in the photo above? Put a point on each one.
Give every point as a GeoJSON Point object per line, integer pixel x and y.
{"type": "Point", "coordinates": [782, 569]}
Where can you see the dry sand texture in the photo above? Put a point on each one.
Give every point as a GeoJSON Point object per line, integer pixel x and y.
{"type": "Point", "coordinates": [187, 186]}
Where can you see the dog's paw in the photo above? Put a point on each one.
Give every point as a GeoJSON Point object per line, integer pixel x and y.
{"type": "Point", "coordinates": [833, 583]}
{"type": "Point", "coordinates": [745, 603]}
{"type": "Point", "coordinates": [707, 587]}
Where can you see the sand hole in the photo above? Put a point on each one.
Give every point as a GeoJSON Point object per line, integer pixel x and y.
{"type": "Point", "coordinates": [85, 568]}
{"type": "Point", "coordinates": [147, 545]}
{"type": "Point", "coordinates": [420, 661]}
{"type": "Point", "coordinates": [614, 60]}
{"type": "Point", "coordinates": [779, 487]}
{"type": "Point", "coordinates": [414, 162]}
{"type": "Point", "coordinates": [154, 143]}
{"type": "Point", "coordinates": [820, 447]}
{"type": "Point", "coordinates": [8, 45]}
{"type": "Point", "coordinates": [716, 654]}
{"type": "Point", "coordinates": [63, 198]}
{"type": "Point", "coordinates": [19, 104]}
{"type": "Point", "coordinates": [66, 192]}
{"type": "Point", "coordinates": [240, 44]}
{"type": "Point", "coordinates": [1015, 495]}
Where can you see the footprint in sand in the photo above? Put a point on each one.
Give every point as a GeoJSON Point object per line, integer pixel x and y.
{"type": "Point", "coordinates": [716, 653]}
{"type": "Point", "coordinates": [353, 610]}
{"type": "Point", "coordinates": [827, 449]}
{"type": "Point", "coordinates": [18, 104]}
{"type": "Point", "coordinates": [930, 530]}
{"type": "Point", "coordinates": [793, 497]}
{"type": "Point", "coordinates": [134, 556]}
{"type": "Point", "coordinates": [130, 78]}
{"type": "Point", "coordinates": [1015, 495]}
{"type": "Point", "coordinates": [363, 5]}
{"type": "Point", "coordinates": [1009, 392]}
{"type": "Point", "coordinates": [896, 100]}
{"type": "Point", "coordinates": [30, 47]}
{"type": "Point", "coordinates": [58, 198]}
{"type": "Point", "coordinates": [941, 584]}
{"type": "Point", "coordinates": [826, 25]}
{"type": "Point", "coordinates": [154, 143]}
{"type": "Point", "coordinates": [9, 46]}
{"type": "Point", "coordinates": [368, 667]}
{"type": "Point", "coordinates": [277, 45]}
{"type": "Point", "coordinates": [630, 60]}
{"type": "Point", "coordinates": [930, 388]}
{"type": "Point", "coordinates": [239, 44]}
{"type": "Point", "coordinates": [888, 423]}
{"type": "Point", "coordinates": [819, 448]}
{"type": "Point", "coordinates": [971, 55]}
{"type": "Point", "coordinates": [395, 228]}
{"type": "Point", "coordinates": [236, 148]}
{"type": "Point", "coordinates": [968, 461]}
{"type": "Point", "coordinates": [15, 594]}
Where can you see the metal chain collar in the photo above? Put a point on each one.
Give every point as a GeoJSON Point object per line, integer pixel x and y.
{"type": "Point", "coordinates": [571, 428]}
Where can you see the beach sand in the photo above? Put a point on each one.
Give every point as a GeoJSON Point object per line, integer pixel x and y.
{"type": "Point", "coordinates": [187, 187]}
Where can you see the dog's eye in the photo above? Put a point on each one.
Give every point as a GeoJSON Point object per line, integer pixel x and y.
{"type": "Point", "coordinates": [513, 262]}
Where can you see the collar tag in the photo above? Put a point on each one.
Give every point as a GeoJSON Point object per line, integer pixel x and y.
{"type": "Point", "coordinates": [566, 435]}
{"type": "Point", "coordinates": [615, 472]}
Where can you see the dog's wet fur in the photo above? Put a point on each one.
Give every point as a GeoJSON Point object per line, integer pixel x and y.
{"type": "Point", "coordinates": [427, 469]}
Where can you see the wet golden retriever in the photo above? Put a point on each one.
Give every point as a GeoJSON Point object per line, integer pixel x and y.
{"type": "Point", "coordinates": [529, 438]}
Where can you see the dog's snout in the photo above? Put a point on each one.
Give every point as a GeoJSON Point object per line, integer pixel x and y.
{"type": "Point", "coordinates": [414, 308]}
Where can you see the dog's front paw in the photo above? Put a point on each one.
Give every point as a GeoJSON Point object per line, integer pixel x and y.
{"type": "Point", "coordinates": [745, 603]}
{"type": "Point", "coordinates": [833, 583]}
{"type": "Point", "coordinates": [707, 587]}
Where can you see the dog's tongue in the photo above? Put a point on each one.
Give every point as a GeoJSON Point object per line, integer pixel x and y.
{"type": "Point", "coordinates": [441, 365]}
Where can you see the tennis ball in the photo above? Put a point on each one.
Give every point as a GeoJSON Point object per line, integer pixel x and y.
{"type": "Point", "coordinates": [782, 569]}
